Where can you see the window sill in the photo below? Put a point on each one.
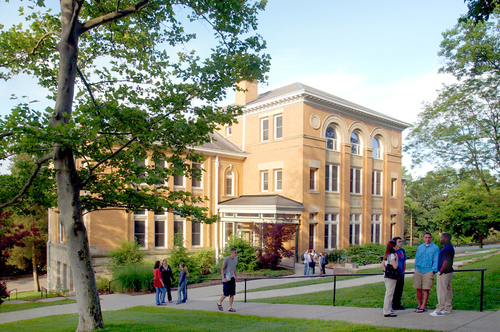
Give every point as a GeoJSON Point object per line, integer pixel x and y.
{"type": "Point", "coordinates": [314, 191]}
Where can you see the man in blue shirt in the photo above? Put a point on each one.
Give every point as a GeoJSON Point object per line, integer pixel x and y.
{"type": "Point", "coordinates": [426, 265]}
{"type": "Point", "coordinates": [443, 282]}
{"type": "Point", "coordinates": [398, 292]}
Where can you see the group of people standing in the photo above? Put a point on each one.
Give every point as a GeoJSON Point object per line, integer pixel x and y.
{"type": "Point", "coordinates": [163, 279]}
{"type": "Point", "coordinates": [429, 261]}
{"type": "Point", "coordinates": [310, 257]}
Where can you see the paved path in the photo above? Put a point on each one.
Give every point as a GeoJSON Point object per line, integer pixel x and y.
{"type": "Point", "coordinates": [205, 298]}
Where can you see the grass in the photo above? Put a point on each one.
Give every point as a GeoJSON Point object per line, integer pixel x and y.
{"type": "Point", "coordinates": [315, 281]}
{"type": "Point", "coordinates": [9, 307]}
{"type": "Point", "coordinates": [466, 291]}
{"type": "Point", "coordinates": [162, 319]}
{"type": "Point", "coordinates": [24, 296]}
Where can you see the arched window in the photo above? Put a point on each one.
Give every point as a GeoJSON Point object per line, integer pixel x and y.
{"type": "Point", "coordinates": [331, 138]}
{"type": "Point", "coordinates": [377, 152]}
{"type": "Point", "coordinates": [229, 183]}
{"type": "Point", "coordinates": [355, 143]}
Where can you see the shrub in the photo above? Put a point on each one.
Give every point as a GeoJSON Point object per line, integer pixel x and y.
{"type": "Point", "coordinates": [247, 260]}
{"type": "Point", "coordinates": [368, 254]}
{"type": "Point", "coordinates": [103, 284]}
{"type": "Point", "coordinates": [179, 254]}
{"type": "Point", "coordinates": [336, 256]}
{"type": "Point", "coordinates": [274, 237]}
{"type": "Point", "coordinates": [410, 251]}
{"type": "Point", "coordinates": [135, 277]}
{"type": "Point", "coordinates": [127, 253]}
{"type": "Point", "coordinates": [3, 291]}
{"type": "Point", "coordinates": [204, 260]}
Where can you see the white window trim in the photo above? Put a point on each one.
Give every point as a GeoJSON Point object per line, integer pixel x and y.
{"type": "Point", "coordinates": [178, 218]}
{"type": "Point", "coordinates": [262, 173]}
{"type": "Point", "coordinates": [315, 182]}
{"type": "Point", "coordinates": [262, 120]}
{"type": "Point", "coordinates": [165, 222]}
{"type": "Point", "coordinates": [332, 219]}
{"type": "Point", "coordinates": [356, 221]}
{"type": "Point", "coordinates": [229, 130]}
{"type": "Point", "coordinates": [352, 186]}
{"type": "Point", "coordinates": [232, 183]}
{"type": "Point", "coordinates": [276, 126]}
{"type": "Point", "coordinates": [276, 171]}
{"type": "Point", "coordinates": [377, 184]}
{"type": "Point", "coordinates": [201, 236]}
{"type": "Point", "coordinates": [201, 173]}
{"type": "Point", "coordinates": [330, 180]}
{"type": "Point", "coordinates": [377, 220]}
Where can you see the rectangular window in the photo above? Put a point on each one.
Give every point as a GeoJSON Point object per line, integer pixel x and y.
{"type": "Point", "coordinates": [393, 224]}
{"type": "Point", "coordinates": [179, 178]}
{"type": "Point", "coordinates": [355, 181]}
{"type": "Point", "coordinates": [332, 178]}
{"type": "Point", "coordinates": [229, 130]}
{"type": "Point", "coordinates": [355, 229]}
{"type": "Point", "coordinates": [159, 233]}
{"type": "Point", "coordinates": [312, 179]}
{"type": "Point", "coordinates": [376, 227]}
{"type": "Point", "coordinates": [178, 232]}
{"type": "Point", "coordinates": [278, 126]}
{"type": "Point", "coordinates": [278, 182]}
{"type": "Point", "coordinates": [195, 234]}
{"type": "Point", "coordinates": [312, 234]}
{"type": "Point", "coordinates": [195, 183]}
{"type": "Point", "coordinates": [331, 230]}
{"type": "Point", "coordinates": [393, 187]}
{"type": "Point", "coordinates": [376, 183]}
{"type": "Point", "coordinates": [264, 181]}
{"type": "Point", "coordinates": [264, 129]}
{"type": "Point", "coordinates": [140, 232]}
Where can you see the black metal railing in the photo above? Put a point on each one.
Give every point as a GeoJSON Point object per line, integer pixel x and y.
{"type": "Point", "coordinates": [13, 289]}
{"type": "Point", "coordinates": [245, 279]}
{"type": "Point", "coordinates": [43, 289]}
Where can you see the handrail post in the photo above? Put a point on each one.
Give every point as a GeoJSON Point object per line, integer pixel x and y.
{"type": "Point", "coordinates": [245, 290]}
{"type": "Point", "coordinates": [334, 287]}
{"type": "Point", "coordinates": [482, 291]}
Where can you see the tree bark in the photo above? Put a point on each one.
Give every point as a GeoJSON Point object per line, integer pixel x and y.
{"type": "Point", "coordinates": [34, 262]}
{"type": "Point", "coordinates": [68, 183]}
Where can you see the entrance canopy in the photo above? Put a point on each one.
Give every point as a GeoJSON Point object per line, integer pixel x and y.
{"type": "Point", "coordinates": [261, 209]}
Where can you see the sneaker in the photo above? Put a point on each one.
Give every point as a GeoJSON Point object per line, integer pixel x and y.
{"type": "Point", "coordinates": [445, 312]}
{"type": "Point", "coordinates": [437, 314]}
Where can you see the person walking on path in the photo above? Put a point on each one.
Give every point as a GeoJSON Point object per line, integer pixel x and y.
{"type": "Point", "coordinates": [306, 262]}
{"type": "Point", "coordinates": [445, 273]}
{"type": "Point", "coordinates": [181, 290]}
{"type": "Point", "coordinates": [390, 261]}
{"type": "Point", "coordinates": [168, 278]}
{"type": "Point", "coordinates": [426, 265]}
{"type": "Point", "coordinates": [228, 272]}
{"type": "Point", "coordinates": [322, 263]}
{"type": "Point", "coordinates": [158, 284]}
{"type": "Point", "coordinates": [398, 292]}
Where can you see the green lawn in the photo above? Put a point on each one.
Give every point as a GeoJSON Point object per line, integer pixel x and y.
{"type": "Point", "coordinates": [9, 307]}
{"type": "Point", "coordinates": [28, 296]}
{"type": "Point", "coordinates": [466, 290]}
{"type": "Point", "coordinates": [162, 319]}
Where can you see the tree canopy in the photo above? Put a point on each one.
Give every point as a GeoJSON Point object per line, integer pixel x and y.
{"type": "Point", "coordinates": [461, 127]}
{"type": "Point", "coordinates": [130, 81]}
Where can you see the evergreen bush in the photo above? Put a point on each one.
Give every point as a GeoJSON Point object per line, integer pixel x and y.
{"type": "Point", "coordinates": [128, 252]}
{"type": "Point", "coordinates": [247, 259]}
{"type": "Point", "coordinates": [204, 260]}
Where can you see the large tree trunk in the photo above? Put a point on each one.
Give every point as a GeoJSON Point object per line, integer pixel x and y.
{"type": "Point", "coordinates": [68, 188]}
{"type": "Point", "coordinates": [36, 281]}
{"type": "Point", "coordinates": [480, 240]}
{"type": "Point", "coordinates": [87, 298]}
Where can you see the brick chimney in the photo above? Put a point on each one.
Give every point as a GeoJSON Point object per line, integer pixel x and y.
{"type": "Point", "coordinates": [244, 97]}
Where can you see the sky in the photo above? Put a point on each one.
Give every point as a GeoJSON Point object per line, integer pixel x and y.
{"type": "Point", "coordinates": [379, 54]}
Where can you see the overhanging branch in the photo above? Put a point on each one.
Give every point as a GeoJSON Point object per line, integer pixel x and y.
{"type": "Point", "coordinates": [39, 163]}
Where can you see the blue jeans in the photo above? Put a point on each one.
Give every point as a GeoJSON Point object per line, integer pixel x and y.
{"type": "Point", "coordinates": [306, 267]}
{"type": "Point", "coordinates": [181, 292]}
{"type": "Point", "coordinates": [160, 295]}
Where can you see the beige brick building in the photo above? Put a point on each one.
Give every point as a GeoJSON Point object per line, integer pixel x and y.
{"type": "Point", "coordinates": [297, 154]}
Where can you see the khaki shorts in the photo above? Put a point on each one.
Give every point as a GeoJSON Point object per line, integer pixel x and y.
{"type": "Point", "coordinates": [423, 280]}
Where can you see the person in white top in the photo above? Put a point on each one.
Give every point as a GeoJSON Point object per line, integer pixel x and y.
{"type": "Point", "coordinates": [390, 258]}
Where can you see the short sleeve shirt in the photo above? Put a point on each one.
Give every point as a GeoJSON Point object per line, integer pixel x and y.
{"type": "Point", "coordinates": [229, 265]}
{"type": "Point", "coordinates": [446, 254]}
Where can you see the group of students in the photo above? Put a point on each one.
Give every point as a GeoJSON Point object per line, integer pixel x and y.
{"type": "Point", "coordinates": [430, 263]}
{"type": "Point", "coordinates": [163, 279]}
{"type": "Point", "coordinates": [310, 258]}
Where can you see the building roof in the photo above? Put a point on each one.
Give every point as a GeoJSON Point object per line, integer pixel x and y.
{"type": "Point", "coordinates": [220, 145]}
{"type": "Point", "coordinates": [294, 90]}
{"type": "Point", "coordinates": [263, 200]}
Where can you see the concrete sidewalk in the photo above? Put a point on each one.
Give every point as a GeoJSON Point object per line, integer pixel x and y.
{"type": "Point", "coordinates": [205, 298]}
